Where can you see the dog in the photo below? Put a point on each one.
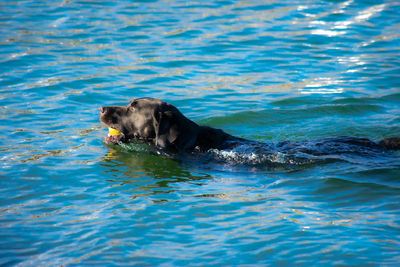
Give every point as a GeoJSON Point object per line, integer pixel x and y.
{"type": "Point", "coordinates": [163, 126]}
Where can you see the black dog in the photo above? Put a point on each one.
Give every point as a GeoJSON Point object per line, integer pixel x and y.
{"type": "Point", "coordinates": [162, 125]}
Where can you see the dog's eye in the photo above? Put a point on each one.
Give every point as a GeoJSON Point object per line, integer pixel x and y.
{"type": "Point", "coordinates": [133, 103]}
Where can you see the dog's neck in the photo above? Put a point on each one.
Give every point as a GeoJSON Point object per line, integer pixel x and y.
{"type": "Point", "coordinates": [208, 137]}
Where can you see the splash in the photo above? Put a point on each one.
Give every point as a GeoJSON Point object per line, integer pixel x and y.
{"type": "Point", "coordinates": [260, 155]}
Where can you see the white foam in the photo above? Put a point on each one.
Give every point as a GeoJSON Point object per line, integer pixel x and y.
{"type": "Point", "coordinates": [247, 155]}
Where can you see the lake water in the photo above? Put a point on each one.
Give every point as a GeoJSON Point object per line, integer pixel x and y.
{"type": "Point", "coordinates": [264, 70]}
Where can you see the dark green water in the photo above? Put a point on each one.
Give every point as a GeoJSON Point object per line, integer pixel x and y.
{"type": "Point", "coordinates": [267, 71]}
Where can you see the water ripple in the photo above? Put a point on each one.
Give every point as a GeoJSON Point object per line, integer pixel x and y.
{"type": "Point", "coordinates": [270, 72]}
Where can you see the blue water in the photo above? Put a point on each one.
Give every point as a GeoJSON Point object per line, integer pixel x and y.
{"type": "Point", "coordinates": [271, 71]}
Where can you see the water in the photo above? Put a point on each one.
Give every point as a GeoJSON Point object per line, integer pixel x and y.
{"type": "Point", "coordinates": [270, 72]}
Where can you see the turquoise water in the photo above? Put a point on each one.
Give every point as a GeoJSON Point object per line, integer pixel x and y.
{"type": "Point", "coordinates": [272, 71]}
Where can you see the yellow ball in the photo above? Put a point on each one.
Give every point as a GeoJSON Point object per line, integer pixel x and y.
{"type": "Point", "coordinates": [113, 131]}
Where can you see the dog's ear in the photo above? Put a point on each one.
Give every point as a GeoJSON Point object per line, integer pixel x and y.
{"type": "Point", "coordinates": [166, 128]}
{"type": "Point", "coordinates": [173, 130]}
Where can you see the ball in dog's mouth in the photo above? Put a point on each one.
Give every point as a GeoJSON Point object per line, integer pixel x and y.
{"type": "Point", "coordinates": [114, 136]}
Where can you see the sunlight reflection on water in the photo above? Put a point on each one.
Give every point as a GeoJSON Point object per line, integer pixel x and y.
{"type": "Point", "coordinates": [269, 72]}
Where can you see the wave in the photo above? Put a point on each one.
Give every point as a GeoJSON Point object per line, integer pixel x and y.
{"type": "Point", "coordinates": [284, 155]}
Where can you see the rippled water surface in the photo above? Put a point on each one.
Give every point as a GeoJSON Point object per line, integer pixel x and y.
{"type": "Point", "coordinates": [263, 70]}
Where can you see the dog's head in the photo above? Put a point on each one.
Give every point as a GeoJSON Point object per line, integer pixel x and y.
{"type": "Point", "coordinates": [151, 120]}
